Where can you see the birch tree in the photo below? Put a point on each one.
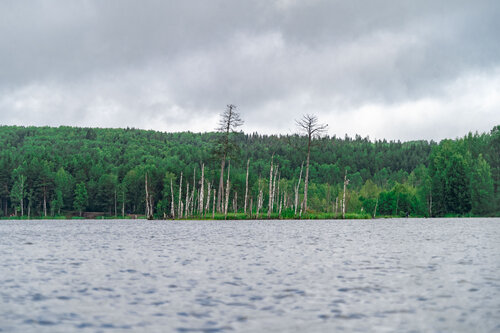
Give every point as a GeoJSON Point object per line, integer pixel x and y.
{"type": "Point", "coordinates": [269, 207]}
{"type": "Point", "coordinates": [172, 207]}
{"type": "Point", "coordinates": [179, 206]}
{"type": "Point", "coordinates": [297, 189]}
{"type": "Point", "coordinates": [227, 190]}
{"type": "Point", "coordinates": [201, 189]}
{"type": "Point", "coordinates": [346, 182]}
{"type": "Point", "coordinates": [246, 188]}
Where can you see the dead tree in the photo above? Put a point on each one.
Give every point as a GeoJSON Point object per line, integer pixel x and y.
{"type": "Point", "coordinates": [259, 201]}
{"type": "Point", "coordinates": [187, 200]}
{"type": "Point", "coordinates": [149, 200]}
{"type": "Point", "coordinates": [201, 189]}
{"type": "Point", "coordinates": [274, 187]}
{"type": "Point", "coordinates": [179, 206]}
{"type": "Point", "coordinates": [297, 189]}
{"type": "Point", "coordinates": [123, 202]}
{"type": "Point", "coordinates": [207, 206]}
{"type": "Point", "coordinates": [229, 121]}
{"type": "Point", "coordinates": [309, 125]}
{"type": "Point", "coordinates": [172, 207]}
{"type": "Point", "coordinates": [246, 188]}
{"type": "Point", "coordinates": [227, 190]}
{"type": "Point", "coordinates": [281, 202]}
{"type": "Point", "coordinates": [251, 206]}
{"type": "Point", "coordinates": [191, 197]}
{"type": "Point", "coordinates": [235, 202]}
{"type": "Point", "coordinates": [346, 182]}
{"type": "Point", "coordinates": [269, 207]}
{"type": "Point", "coordinates": [213, 204]}
{"type": "Point", "coordinates": [336, 205]}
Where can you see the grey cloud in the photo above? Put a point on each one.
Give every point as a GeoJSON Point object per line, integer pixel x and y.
{"type": "Point", "coordinates": [126, 63]}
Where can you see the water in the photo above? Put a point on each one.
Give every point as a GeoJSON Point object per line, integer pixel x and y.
{"type": "Point", "coordinates": [250, 276]}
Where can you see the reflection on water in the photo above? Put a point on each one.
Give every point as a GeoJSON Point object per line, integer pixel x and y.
{"type": "Point", "coordinates": [250, 276]}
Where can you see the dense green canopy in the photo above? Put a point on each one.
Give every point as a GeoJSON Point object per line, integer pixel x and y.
{"type": "Point", "coordinates": [51, 171]}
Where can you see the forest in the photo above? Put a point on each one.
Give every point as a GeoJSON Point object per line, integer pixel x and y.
{"type": "Point", "coordinates": [48, 172]}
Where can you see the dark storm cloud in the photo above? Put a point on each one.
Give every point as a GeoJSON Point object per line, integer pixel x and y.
{"type": "Point", "coordinates": [379, 68]}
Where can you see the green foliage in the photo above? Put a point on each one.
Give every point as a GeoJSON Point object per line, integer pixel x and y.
{"type": "Point", "coordinates": [482, 195]}
{"type": "Point", "coordinates": [95, 169]}
{"type": "Point", "coordinates": [81, 197]}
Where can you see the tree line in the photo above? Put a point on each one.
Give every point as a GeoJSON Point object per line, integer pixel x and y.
{"type": "Point", "coordinates": [46, 171]}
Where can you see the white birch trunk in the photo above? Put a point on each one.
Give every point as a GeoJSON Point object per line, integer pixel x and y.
{"type": "Point", "coordinates": [187, 200]}
{"type": "Point", "coordinates": [246, 188]}
{"type": "Point", "coordinates": [297, 189]}
{"type": "Point", "coordinates": [202, 189]}
{"type": "Point", "coordinates": [274, 187]}
{"type": "Point", "coordinates": [213, 204]}
{"type": "Point", "coordinates": [227, 189]}
{"type": "Point", "coordinates": [123, 203]}
{"type": "Point", "coordinates": [172, 207]}
{"type": "Point", "coordinates": [191, 199]}
{"type": "Point", "coordinates": [179, 206]}
{"type": "Point", "coordinates": [44, 202]}
{"type": "Point", "coordinates": [209, 190]}
{"type": "Point", "coordinates": [269, 207]}
{"type": "Point", "coordinates": [346, 181]}
{"type": "Point", "coordinates": [251, 206]}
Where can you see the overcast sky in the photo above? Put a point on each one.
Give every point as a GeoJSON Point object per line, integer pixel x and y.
{"type": "Point", "coordinates": [385, 69]}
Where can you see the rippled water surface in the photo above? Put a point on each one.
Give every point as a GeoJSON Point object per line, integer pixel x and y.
{"type": "Point", "coordinates": [250, 276]}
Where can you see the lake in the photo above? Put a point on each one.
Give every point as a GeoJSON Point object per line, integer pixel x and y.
{"type": "Point", "coordinates": [422, 275]}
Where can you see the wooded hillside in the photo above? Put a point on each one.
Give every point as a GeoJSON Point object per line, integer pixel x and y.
{"type": "Point", "coordinates": [60, 171]}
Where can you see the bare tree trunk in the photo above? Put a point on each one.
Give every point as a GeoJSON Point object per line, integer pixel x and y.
{"type": "Point", "coordinates": [235, 202]}
{"type": "Point", "coordinates": [151, 207]}
{"type": "Point", "coordinates": [274, 187]}
{"type": "Point", "coordinates": [269, 205]}
{"type": "Point", "coordinates": [179, 206]}
{"type": "Point", "coordinates": [22, 195]}
{"type": "Point", "coordinates": [306, 179]}
{"type": "Point", "coordinates": [191, 200]}
{"type": "Point", "coordinates": [297, 189]}
{"type": "Point", "coordinates": [123, 203]}
{"type": "Point", "coordinates": [336, 205]}
{"type": "Point", "coordinates": [116, 213]}
{"type": "Point", "coordinates": [246, 188]}
{"type": "Point", "coordinates": [281, 202]}
{"type": "Point", "coordinates": [346, 181]}
{"type": "Point", "coordinates": [149, 200]}
{"type": "Point", "coordinates": [209, 189]}
{"type": "Point", "coordinates": [251, 206]}
{"type": "Point", "coordinates": [172, 207]}
{"type": "Point", "coordinates": [202, 189]}
{"type": "Point", "coordinates": [227, 189]}
{"type": "Point", "coordinates": [213, 205]}
{"type": "Point", "coordinates": [44, 202]}
{"type": "Point", "coordinates": [186, 208]}
{"type": "Point", "coordinates": [375, 210]}
{"type": "Point", "coordinates": [309, 125]}
{"type": "Point", "coordinates": [221, 184]}
{"type": "Point", "coordinates": [260, 201]}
